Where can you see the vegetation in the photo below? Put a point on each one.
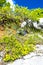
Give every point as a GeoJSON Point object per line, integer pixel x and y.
{"type": "Point", "coordinates": [10, 21]}
{"type": "Point", "coordinates": [19, 14]}
{"type": "Point", "coordinates": [14, 49]}
{"type": "Point", "coordinates": [2, 2]}
{"type": "Point", "coordinates": [36, 14]}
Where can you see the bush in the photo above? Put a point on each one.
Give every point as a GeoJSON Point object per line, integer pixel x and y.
{"type": "Point", "coordinates": [15, 49]}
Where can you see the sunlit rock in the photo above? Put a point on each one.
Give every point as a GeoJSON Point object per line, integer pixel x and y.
{"type": "Point", "coordinates": [23, 24]}
{"type": "Point", "coordinates": [38, 25]}
{"type": "Point", "coordinates": [17, 62]}
{"type": "Point", "coordinates": [41, 22]}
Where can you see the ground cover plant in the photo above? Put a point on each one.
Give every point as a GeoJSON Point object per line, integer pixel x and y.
{"type": "Point", "coordinates": [14, 49]}
{"type": "Point", "coordinates": [14, 45]}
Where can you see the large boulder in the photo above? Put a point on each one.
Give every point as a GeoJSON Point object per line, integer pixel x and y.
{"type": "Point", "coordinates": [38, 25]}
{"type": "Point", "coordinates": [40, 22]}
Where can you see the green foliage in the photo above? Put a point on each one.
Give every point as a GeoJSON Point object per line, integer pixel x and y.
{"type": "Point", "coordinates": [6, 14]}
{"type": "Point", "coordinates": [2, 2]}
{"type": "Point", "coordinates": [7, 57]}
{"type": "Point", "coordinates": [14, 49]}
{"type": "Point", "coordinates": [33, 39]}
{"type": "Point", "coordinates": [19, 14]}
{"type": "Point", "coordinates": [36, 14]}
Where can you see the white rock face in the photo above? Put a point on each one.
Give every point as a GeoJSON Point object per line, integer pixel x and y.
{"type": "Point", "coordinates": [17, 62]}
{"type": "Point", "coordinates": [36, 25]}
{"type": "Point", "coordinates": [23, 24]}
{"type": "Point", "coordinates": [34, 61]}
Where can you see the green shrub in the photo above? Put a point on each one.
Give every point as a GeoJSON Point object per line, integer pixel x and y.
{"type": "Point", "coordinates": [7, 57]}
{"type": "Point", "coordinates": [14, 49]}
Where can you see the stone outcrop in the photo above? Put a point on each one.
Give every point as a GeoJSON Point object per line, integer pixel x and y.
{"type": "Point", "coordinates": [38, 25]}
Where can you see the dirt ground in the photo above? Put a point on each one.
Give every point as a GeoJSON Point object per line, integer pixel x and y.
{"type": "Point", "coordinates": [5, 32]}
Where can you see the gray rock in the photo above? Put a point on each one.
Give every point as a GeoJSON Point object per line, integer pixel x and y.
{"type": "Point", "coordinates": [23, 24]}
{"type": "Point", "coordinates": [29, 23]}
{"type": "Point", "coordinates": [38, 25]}
{"type": "Point", "coordinates": [35, 25]}
{"type": "Point", "coordinates": [2, 63]}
